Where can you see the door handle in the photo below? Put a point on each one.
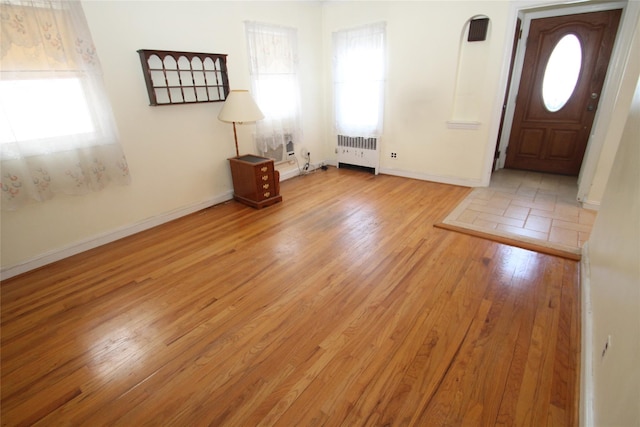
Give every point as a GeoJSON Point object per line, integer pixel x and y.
{"type": "Point", "coordinates": [591, 108]}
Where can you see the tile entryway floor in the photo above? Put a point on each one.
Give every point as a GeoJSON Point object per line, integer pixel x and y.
{"type": "Point", "coordinates": [539, 209]}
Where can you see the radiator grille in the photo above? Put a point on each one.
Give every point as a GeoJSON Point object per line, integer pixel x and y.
{"type": "Point", "coordinates": [358, 142]}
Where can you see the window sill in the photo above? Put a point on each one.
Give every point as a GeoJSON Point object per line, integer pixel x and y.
{"type": "Point", "coordinates": [463, 124]}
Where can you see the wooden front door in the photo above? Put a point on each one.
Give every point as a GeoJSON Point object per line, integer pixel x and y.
{"type": "Point", "coordinates": [550, 135]}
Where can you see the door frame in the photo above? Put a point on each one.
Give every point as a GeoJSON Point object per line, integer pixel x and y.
{"type": "Point", "coordinates": [537, 9]}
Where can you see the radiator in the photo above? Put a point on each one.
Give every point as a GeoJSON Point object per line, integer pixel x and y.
{"type": "Point", "coordinates": [359, 151]}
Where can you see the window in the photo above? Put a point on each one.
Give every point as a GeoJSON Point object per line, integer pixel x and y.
{"type": "Point", "coordinates": [57, 133]}
{"type": "Point", "coordinates": [273, 66]}
{"type": "Point", "coordinates": [59, 104]}
{"type": "Point", "coordinates": [358, 78]}
{"type": "Point", "coordinates": [562, 73]}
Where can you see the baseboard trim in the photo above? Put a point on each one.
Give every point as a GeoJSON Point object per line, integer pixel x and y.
{"type": "Point", "coordinates": [110, 236]}
{"type": "Point", "coordinates": [288, 174]}
{"type": "Point", "coordinates": [294, 172]}
{"type": "Point", "coordinates": [591, 205]}
{"type": "Point", "coordinates": [586, 340]}
{"type": "Point", "coordinates": [461, 182]}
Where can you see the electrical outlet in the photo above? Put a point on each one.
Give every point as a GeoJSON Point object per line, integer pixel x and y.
{"type": "Point", "coordinates": [394, 155]}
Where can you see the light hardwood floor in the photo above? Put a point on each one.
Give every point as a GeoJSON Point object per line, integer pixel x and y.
{"type": "Point", "coordinates": [342, 305]}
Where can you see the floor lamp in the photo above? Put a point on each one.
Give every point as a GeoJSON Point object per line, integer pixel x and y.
{"type": "Point", "coordinates": [239, 107]}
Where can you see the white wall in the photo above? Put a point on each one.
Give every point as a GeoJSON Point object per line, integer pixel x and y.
{"type": "Point", "coordinates": [613, 283]}
{"type": "Point", "coordinates": [425, 47]}
{"type": "Point", "coordinates": [177, 154]}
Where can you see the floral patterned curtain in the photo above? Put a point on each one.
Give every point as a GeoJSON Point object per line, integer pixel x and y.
{"type": "Point", "coordinates": [57, 132]}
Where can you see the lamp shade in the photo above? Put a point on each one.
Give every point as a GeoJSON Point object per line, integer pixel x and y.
{"type": "Point", "coordinates": [240, 107]}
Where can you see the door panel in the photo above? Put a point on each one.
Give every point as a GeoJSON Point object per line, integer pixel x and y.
{"type": "Point", "coordinates": [563, 144]}
{"type": "Point", "coordinates": [531, 142]}
{"type": "Point", "coordinates": [555, 141]}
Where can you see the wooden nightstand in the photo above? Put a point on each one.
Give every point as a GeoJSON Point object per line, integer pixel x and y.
{"type": "Point", "coordinates": [255, 181]}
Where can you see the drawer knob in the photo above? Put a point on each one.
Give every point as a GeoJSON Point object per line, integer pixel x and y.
{"type": "Point", "coordinates": [267, 194]}
{"type": "Point", "coordinates": [265, 177]}
{"type": "Point", "coordinates": [264, 169]}
{"type": "Point", "coordinates": [265, 186]}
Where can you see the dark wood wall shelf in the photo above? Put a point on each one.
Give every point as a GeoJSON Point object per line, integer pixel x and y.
{"type": "Point", "coordinates": [174, 77]}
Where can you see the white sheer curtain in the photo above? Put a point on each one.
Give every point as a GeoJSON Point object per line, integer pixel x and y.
{"type": "Point", "coordinates": [359, 78]}
{"type": "Point", "coordinates": [57, 133]}
{"type": "Point", "coordinates": [273, 66]}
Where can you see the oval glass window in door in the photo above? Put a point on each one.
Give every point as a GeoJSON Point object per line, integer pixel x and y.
{"type": "Point", "coordinates": [562, 73]}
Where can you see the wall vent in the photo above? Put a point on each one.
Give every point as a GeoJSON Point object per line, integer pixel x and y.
{"type": "Point", "coordinates": [478, 29]}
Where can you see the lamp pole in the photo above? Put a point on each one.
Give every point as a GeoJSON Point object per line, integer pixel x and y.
{"type": "Point", "coordinates": [235, 137]}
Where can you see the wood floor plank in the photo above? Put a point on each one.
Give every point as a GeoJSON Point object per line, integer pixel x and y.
{"type": "Point", "coordinates": [342, 305]}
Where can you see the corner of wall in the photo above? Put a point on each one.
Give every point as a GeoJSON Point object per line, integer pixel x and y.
{"type": "Point", "coordinates": [586, 340]}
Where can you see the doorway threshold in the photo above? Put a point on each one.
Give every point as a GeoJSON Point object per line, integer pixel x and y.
{"type": "Point", "coordinates": [531, 210]}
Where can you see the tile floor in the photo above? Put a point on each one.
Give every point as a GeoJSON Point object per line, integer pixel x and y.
{"type": "Point", "coordinates": [534, 207]}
